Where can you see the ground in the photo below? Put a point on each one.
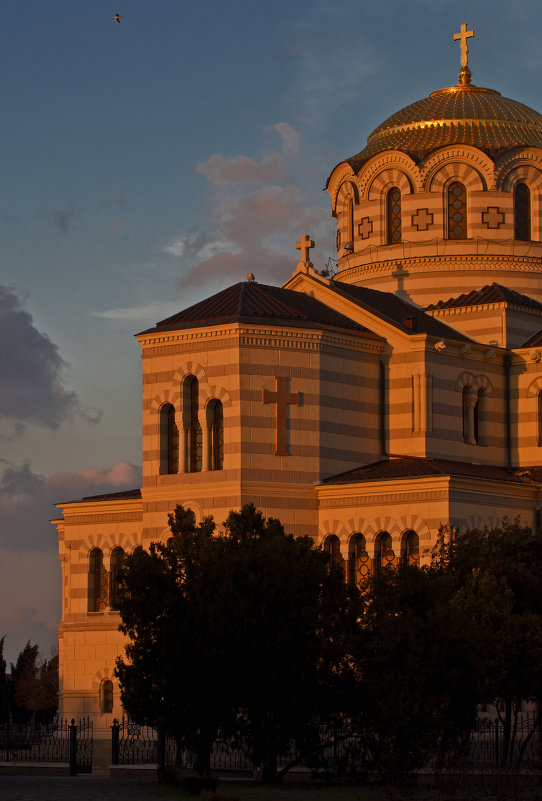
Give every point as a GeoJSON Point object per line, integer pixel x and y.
{"type": "Point", "coordinates": [102, 788]}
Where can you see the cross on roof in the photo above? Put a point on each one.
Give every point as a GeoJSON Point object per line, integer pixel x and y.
{"type": "Point", "coordinates": [464, 36]}
{"type": "Point", "coordinates": [304, 245]}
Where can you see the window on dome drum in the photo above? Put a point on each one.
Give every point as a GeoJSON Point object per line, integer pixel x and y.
{"type": "Point", "coordinates": [522, 212]}
{"type": "Point", "coordinates": [457, 211]}
{"type": "Point", "coordinates": [117, 557]}
{"type": "Point", "coordinates": [194, 439]}
{"type": "Point", "coordinates": [539, 416]}
{"type": "Point", "coordinates": [384, 556]}
{"type": "Point", "coordinates": [350, 223]}
{"type": "Point", "coordinates": [169, 440]}
{"type": "Point", "coordinates": [410, 548]}
{"type": "Point", "coordinates": [106, 697]}
{"type": "Point", "coordinates": [97, 581]}
{"type": "Point", "coordinates": [474, 415]}
{"type": "Point", "coordinates": [215, 414]}
{"type": "Point", "coordinates": [359, 563]}
{"type": "Point", "coordinates": [332, 545]}
{"type": "Point", "coordinates": [393, 216]}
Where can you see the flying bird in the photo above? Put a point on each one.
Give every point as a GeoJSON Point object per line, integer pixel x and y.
{"type": "Point", "coordinates": [118, 17]}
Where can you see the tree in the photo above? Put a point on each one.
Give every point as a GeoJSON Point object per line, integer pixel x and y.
{"type": "Point", "coordinates": [4, 704]}
{"type": "Point", "coordinates": [35, 686]}
{"type": "Point", "coordinates": [244, 628]}
{"type": "Point", "coordinates": [496, 574]}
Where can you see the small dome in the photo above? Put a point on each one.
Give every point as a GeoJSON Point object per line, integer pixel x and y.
{"type": "Point", "coordinates": [462, 114]}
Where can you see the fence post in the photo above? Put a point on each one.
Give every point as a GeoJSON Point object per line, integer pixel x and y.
{"type": "Point", "coordinates": [115, 742]}
{"type": "Point", "coordinates": [496, 742]}
{"type": "Point", "coordinates": [161, 744]}
{"type": "Point", "coordinates": [73, 748]}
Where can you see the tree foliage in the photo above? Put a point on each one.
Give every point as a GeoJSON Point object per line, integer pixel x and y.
{"type": "Point", "coordinates": [244, 629]}
{"type": "Point", "coordinates": [34, 686]}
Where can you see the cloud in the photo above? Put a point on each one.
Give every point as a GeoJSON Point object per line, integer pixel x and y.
{"type": "Point", "coordinates": [27, 499]}
{"type": "Point", "coordinates": [143, 314]}
{"type": "Point", "coordinates": [31, 390]}
{"type": "Point", "coordinates": [258, 212]}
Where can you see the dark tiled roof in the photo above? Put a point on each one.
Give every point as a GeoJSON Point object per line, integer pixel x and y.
{"type": "Point", "coordinates": [112, 496]}
{"type": "Point", "coordinates": [534, 341]}
{"type": "Point", "coordinates": [398, 312]}
{"type": "Point", "coordinates": [491, 293]}
{"type": "Point", "coordinates": [250, 302]}
{"type": "Point", "coordinates": [398, 467]}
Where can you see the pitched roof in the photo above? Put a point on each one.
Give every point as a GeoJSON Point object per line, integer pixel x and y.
{"type": "Point", "coordinates": [398, 467]}
{"type": "Point", "coordinates": [249, 302]}
{"type": "Point", "coordinates": [491, 293]}
{"type": "Point", "coordinates": [534, 341]}
{"type": "Point", "coordinates": [112, 496]}
{"type": "Point", "coordinates": [400, 313]}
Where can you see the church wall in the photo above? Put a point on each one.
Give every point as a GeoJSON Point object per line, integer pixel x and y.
{"type": "Point", "coordinates": [526, 384]}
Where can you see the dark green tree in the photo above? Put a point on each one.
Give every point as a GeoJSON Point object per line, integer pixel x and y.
{"type": "Point", "coordinates": [4, 702]}
{"type": "Point", "coordinates": [25, 684]}
{"type": "Point", "coordinates": [240, 629]}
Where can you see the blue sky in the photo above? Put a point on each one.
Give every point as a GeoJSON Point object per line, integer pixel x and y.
{"type": "Point", "coordinates": [147, 164]}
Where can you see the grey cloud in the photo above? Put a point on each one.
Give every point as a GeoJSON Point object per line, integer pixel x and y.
{"type": "Point", "coordinates": [31, 390]}
{"type": "Point", "coordinates": [27, 499]}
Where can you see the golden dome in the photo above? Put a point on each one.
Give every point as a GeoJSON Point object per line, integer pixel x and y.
{"type": "Point", "coordinates": [462, 114]}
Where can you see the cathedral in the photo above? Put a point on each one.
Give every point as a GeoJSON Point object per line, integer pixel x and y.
{"type": "Point", "coordinates": [365, 407]}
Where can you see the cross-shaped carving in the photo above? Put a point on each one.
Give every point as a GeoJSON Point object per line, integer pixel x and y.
{"type": "Point", "coordinates": [365, 227]}
{"type": "Point", "coordinates": [464, 36]}
{"type": "Point", "coordinates": [422, 219]}
{"type": "Point", "coordinates": [282, 398]}
{"type": "Point", "coordinates": [304, 245]}
{"type": "Point", "coordinates": [493, 217]}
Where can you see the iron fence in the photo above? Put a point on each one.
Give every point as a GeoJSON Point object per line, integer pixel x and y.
{"type": "Point", "coordinates": [338, 751]}
{"type": "Point", "coordinates": [60, 742]}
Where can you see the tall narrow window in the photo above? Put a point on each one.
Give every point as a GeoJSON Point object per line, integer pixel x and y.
{"type": "Point", "coordinates": [169, 440]}
{"type": "Point", "coordinates": [393, 216]}
{"type": "Point", "coordinates": [216, 431]}
{"type": "Point", "coordinates": [522, 212]}
{"type": "Point", "coordinates": [457, 211]}
{"type": "Point", "coordinates": [349, 244]}
{"type": "Point", "coordinates": [191, 416]}
{"type": "Point", "coordinates": [358, 561]}
{"type": "Point", "coordinates": [410, 548]}
{"type": "Point", "coordinates": [106, 697]}
{"type": "Point", "coordinates": [384, 556]}
{"type": "Point", "coordinates": [539, 417]}
{"type": "Point", "coordinates": [97, 582]}
{"type": "Point", "coordinates": [117, 557]}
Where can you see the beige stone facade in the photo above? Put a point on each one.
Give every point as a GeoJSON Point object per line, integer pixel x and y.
{"type": "Point", "coordinates": [365, 409]}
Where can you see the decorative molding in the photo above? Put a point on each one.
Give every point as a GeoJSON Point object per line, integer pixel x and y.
{"type": "Point", "coordinates": [535, 386]}
{"type": "Point", "coordinates": [475, 382]}
{"type": "Point", "coordinates": [478, 164]}
{"type": "Point", "coordinates": [389, 159]}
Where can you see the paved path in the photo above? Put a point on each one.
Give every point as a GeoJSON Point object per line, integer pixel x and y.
{"type": "Point", "coordinates": [77, 788]}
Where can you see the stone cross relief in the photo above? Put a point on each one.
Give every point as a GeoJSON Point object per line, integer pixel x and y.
{"type": "Point", "coordinates": [422, 219]}
{"type": "Point", "coordinates": [282, 398]}
{"type": "Point", "coordinates": [493, 217]}
{"type": "Point", "coordinates": [464, 36]}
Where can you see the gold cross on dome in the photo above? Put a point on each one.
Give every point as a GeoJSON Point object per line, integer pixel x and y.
{"type": "Point", "coordinates": [304, 245]}
{"type": "Point", "coordinates": [464, 36]}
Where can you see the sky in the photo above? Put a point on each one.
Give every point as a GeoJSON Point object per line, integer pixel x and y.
{"type": "Point", "coordinates": [150, 163]}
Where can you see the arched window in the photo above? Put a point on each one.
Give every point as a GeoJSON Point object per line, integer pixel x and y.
{"type": "Point", "coordinates": [480, 417]}
{"type": "Point", "coordinates": [332, 545]}
{"type": "Point", "coordinates": [457, 211]}
{"type": "Point", "coordinates": [410, 548]}
{"type": "Point", "coordinates": [393, 216]}
{"type": "Point", "coordinates": [359, 567]}
{"type": "Point", "coordinates": [522, 212]}
{"type": "Point", "coordinates": [97, 582]}
{"type": "Point", "coordinates": [349, 224]}
{"type": "Point", "coordinates": [539, 416]}
{"type": "Point", "coordinates": [191, 418]}
{"type": "Point", "coordinates": [384, 556]}
{"type": "Point", "coordinates": [169, 440]}
{"type": "Point", "coordinates": [117, 557]}
{"type": "Point", "coordinates": [106, 697]}
{"type": "Point", "coordinates": [215, 420]}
